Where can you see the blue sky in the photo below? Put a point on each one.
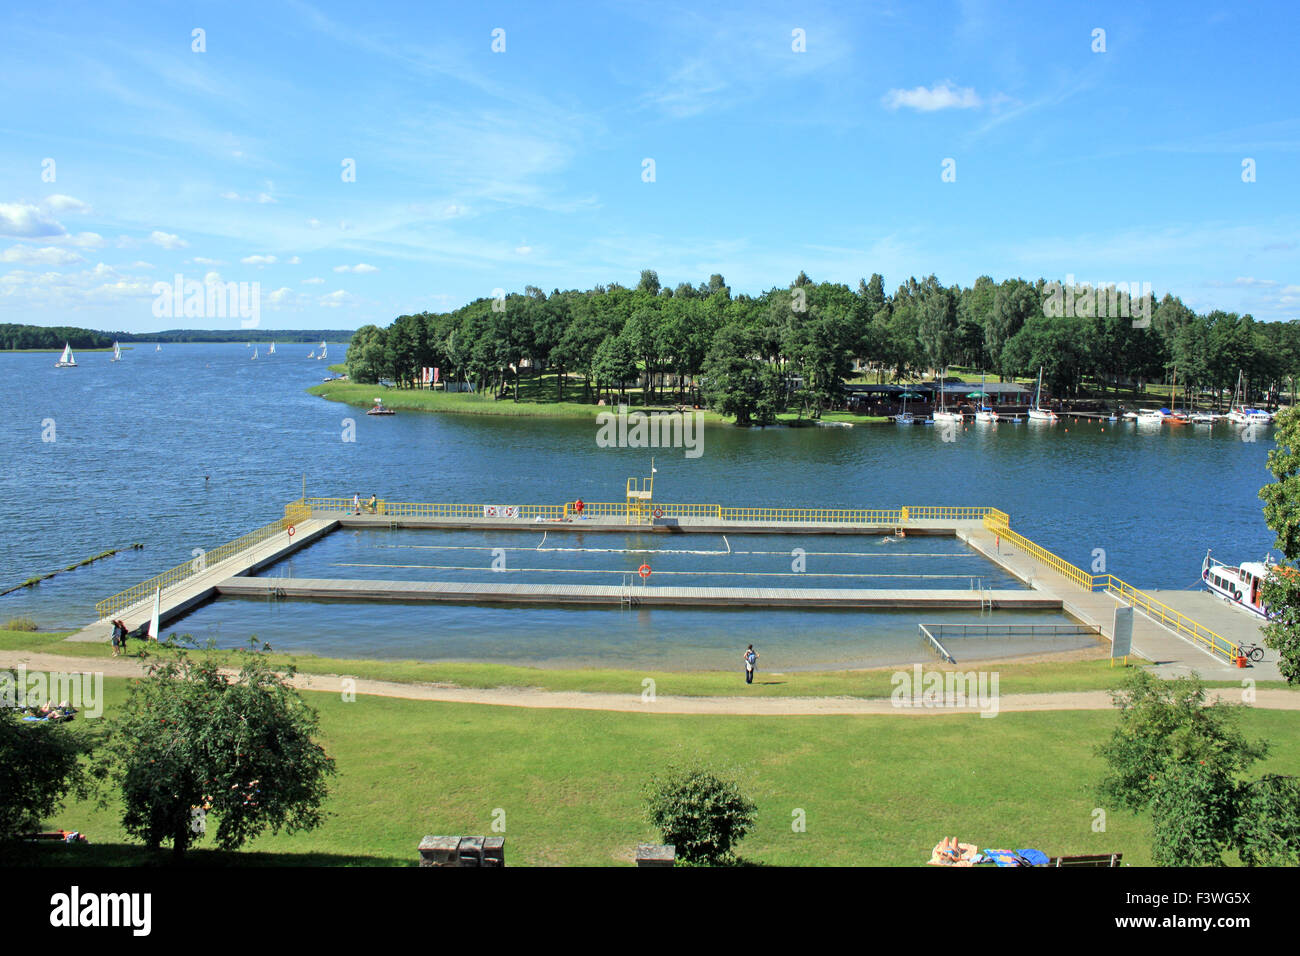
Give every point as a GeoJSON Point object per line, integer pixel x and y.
{"type": "Point", "coordinates": [478, 170]}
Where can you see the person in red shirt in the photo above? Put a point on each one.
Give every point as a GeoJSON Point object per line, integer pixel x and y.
{"type": "Point", "coordinates": [578, 506]}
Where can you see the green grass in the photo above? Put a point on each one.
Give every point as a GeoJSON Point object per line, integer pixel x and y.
{"type": "Point", "coordinates": [470, 403]}
{"type": "Point", "coordinates": [875, 790]}
{"type": "Point", "coordinates": [1014, 678]}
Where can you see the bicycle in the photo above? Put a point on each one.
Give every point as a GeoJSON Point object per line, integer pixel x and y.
{"type": "Point", "coordinates": [1252, 652]}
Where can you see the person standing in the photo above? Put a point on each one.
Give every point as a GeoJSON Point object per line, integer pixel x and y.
{"type": "Point", "coordinates": [356, 503]}
{"type": "Point", "coordinates": [751, 658]}
{"type": "Point", "coordinates": [117, 637]}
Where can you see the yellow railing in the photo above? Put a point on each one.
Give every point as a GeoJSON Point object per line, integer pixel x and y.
{"type": "Point", "coordinates": [997, 522]}
{"type": "Point", "coordinates": [1175, 620]}
{"type": "Point", "coordinates": [621, 509]}
{"type": "Point", "coordinates": [294, 512]}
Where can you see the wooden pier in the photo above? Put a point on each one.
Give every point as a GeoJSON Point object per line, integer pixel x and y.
{"type": "Point", "coordinates": [1168, 629]}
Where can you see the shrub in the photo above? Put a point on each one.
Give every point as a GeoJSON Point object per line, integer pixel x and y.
{"type": "Point", "coordinates": [703, 815]}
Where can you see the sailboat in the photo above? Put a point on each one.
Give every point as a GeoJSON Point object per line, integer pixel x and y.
{"type": "Point", "coordinates": [323, 352]}
{"type": "Point", "coordinates": [254, 355]}
{"type": "Point", "coordinates": [67, 360]}
{"type": "Point", "coordinates": [271, 350]}
{"type": "Point", "coordinates": [158, 347]}
{"type": "Point", "coordinates": [311, 354]}
{"type": "Point", "coordinates": [906, 417]}
{"type": "Point", "coordinates": [942, 414]}
{"type": "Point", "coordinates": [117, 352]}
{"type": "Point", "coordinates": [986, 412]}
{"type": "Point", "coordinates": [1240, 414]}
{"type": "Point", "coordinates": [1036, 412]}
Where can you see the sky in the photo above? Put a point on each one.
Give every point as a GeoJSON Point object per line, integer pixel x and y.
{"type": "Point", "coordinates": [361, 161]}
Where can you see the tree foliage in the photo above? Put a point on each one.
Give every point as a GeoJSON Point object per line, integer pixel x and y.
{"type": "Point", "coordinates": [1185, 761]}
{"type": "Point", "coordinates": [41, 765]}
{"type": "Point", "coordinates": [192, 744]}
{"type": "Point", "coordinates": [700, 813]}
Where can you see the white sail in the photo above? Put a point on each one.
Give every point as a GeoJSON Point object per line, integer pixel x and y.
{"type": "Point", "coordinates": [67, 360]}
{"type": "Point", "coordinates": [254, 354]}
{"type": "Point", "coordinates": [271, 350]}
{"type": "Point", "coordinates": [153, 621]}
{"type": "Point", "coordinates": [117, 352]}
{"type": "Point", "coordinates": [158, 347]}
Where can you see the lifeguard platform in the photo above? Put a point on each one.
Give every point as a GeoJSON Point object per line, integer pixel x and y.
{"type": "Point", "coordinates": [640, 498]}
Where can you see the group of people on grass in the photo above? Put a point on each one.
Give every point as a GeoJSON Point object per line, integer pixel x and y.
{"type": "Point", "coordinates": [48, 711]}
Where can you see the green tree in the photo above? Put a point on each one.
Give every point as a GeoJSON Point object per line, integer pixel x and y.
{"type": "Point", "coordinates": [700, 813]}
{"type": "Point", "coordinates": [42, 764]}
{"type": "Point", "coordinates": [191, 744]}
{"type": "Point", "coordinates": [1281, 588]}
{"type": "Point", "coordinates": [1184, 760]}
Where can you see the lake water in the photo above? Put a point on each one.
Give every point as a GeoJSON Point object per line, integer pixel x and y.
{"type": "Point", "coordinates": [195, 445]}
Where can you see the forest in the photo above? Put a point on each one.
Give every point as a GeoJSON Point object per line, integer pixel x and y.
{"type": "Point", "coordinates": [793, 348]}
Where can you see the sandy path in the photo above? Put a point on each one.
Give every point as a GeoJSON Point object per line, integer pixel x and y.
{"type": "Point", "coordinates": [633, 703]}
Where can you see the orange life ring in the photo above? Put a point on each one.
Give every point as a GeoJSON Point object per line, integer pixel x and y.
{"type": "Point", "coordinates": [659, 512]}
{"type": "Point", "coordinates": [644, 571]}
{"type": "Point", "coordinates": [290, 531]}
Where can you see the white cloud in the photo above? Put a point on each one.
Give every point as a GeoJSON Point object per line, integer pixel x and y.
{"type": "Point", "coordinates": [85, 240]}
{"type": "Point", "coordinates": [258, 260]}
{"type": "Point", "coordinates": [295, 261]}
{"type": "Point", "coordinates": [313, 281]}
{"type": "Point", "coordinates": [265, 198]}
{"type": "Point", "coordinates": [280, 297]}
{"type": "Point", "coordinates": [61, 203]}
{"type": "Point", "coordinates": [359, 268]}
{"type": "Point", "coordinates": [314, 223]}
{"type": "Point", "coordinates": [27, 221]}
{"type": "Point", "coordinates": [1252, 281]}
{"type": "Point", "coordinates": [523, 250]}
{"type": "Point", "coordinates": [204, 261]}
{"type": "Point", "coordinates": [212, 278]}
{"type": "Point", "coordinates": [335, 299]}
{"type": "Point", "coordinates": [47, 256]}
{"type": "Point", "coordinates": [142, 265]}
{"type": "Point", "coordinates": [941, 96]}
{"type": "Point", "coordinates": [167, 240]}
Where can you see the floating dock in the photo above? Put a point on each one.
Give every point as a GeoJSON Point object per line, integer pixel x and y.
{"type": "Point", "coordinates": [1164, 632]}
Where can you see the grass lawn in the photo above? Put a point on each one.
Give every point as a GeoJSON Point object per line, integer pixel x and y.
{"type": "Point", "coordinates": [875, 790]}
{"type": "Point", "coordinates": [1014, 678]}
{"type": "Point", "coordinates": [472, 403]}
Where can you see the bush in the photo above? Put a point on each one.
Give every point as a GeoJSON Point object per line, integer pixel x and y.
{"type": "Point", "coordinates": [20, 624]}
{"type": "Point", "coordinates": [700, 813]}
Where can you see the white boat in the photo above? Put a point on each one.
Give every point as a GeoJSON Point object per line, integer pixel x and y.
{"type": "Point", "coordinates": [1151, 416]}
{"type": "Point", "coordinates": [323, 352]}
{"type": "Point", "coordinates": [67, 360]}
{"type": "Point", "coordinates": [158, 347]}
{"type": "Point", "coordinates": [117, 352]}
{"type": "Point", "coordinates": [1239, 585]}
{"type": "Point", "coordinates": [942, 414]}
{"type": "Point", "coordinates": [254, 355]}
{"type": "Point", "coordinates": [311, 354]}
{"type": "Point", "coordinates": [985, 413]}
{"type": "Point", "coordinates": [1241, 414]}
{"type": "Point", "coordinates": [1037, 414]}
{"type": "Point", "coordinates": [271, 350]}
{"type": "Point", "coordinates": [1130, 416]}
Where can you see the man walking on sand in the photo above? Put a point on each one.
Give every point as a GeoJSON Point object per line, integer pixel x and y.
{"type": "Point", "coordinates": [751, 658]}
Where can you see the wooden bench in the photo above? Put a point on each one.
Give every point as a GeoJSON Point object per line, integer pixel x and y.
{"type": "Point", "coordinates": [1091, 859]}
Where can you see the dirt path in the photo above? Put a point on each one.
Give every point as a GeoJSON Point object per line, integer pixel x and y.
{"type": "Point", "coordinates": [633, 703]}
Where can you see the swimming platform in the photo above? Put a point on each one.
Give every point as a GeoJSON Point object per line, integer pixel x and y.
{"type": "Point", "coordinates": [1164, 631]}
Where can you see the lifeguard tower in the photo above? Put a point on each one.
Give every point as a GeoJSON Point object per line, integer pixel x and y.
{"type": "Point", "coordinates": [640, 497]}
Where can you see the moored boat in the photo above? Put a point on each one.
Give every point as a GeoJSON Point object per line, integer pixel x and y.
{"type": "Point", "coordinates": [1240, 585]}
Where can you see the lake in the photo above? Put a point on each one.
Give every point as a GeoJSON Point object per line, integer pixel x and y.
{"type": "Point", "coordinates": [194, 445]}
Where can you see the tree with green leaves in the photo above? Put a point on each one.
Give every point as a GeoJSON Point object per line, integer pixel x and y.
{"type": "Point", "coordinates": [1184, 760]}
{"type": "Point", "coordinates": [192, 744]}
{"type": "Point", "coordinates": [701, 813]}
{"type": "Point", "coordinates": [42, 765]}
{"type": "Point", "coordinates": [1281, 588]}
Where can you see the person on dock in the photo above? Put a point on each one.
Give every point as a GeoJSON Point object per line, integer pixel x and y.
{"type": "Point", "coordinates": [356, 503]}
{"type": "Point", "coordinates": [578, 506]}
{"type": "Point", "coordinates": [751, 658]}
{"type": "Point", "coordinates": [370, 504]}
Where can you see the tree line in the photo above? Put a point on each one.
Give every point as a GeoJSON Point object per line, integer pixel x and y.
{"type": "Point", "coordinates": [792, 348]}
{"type": "Point", "coordinates": [54, 337]}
